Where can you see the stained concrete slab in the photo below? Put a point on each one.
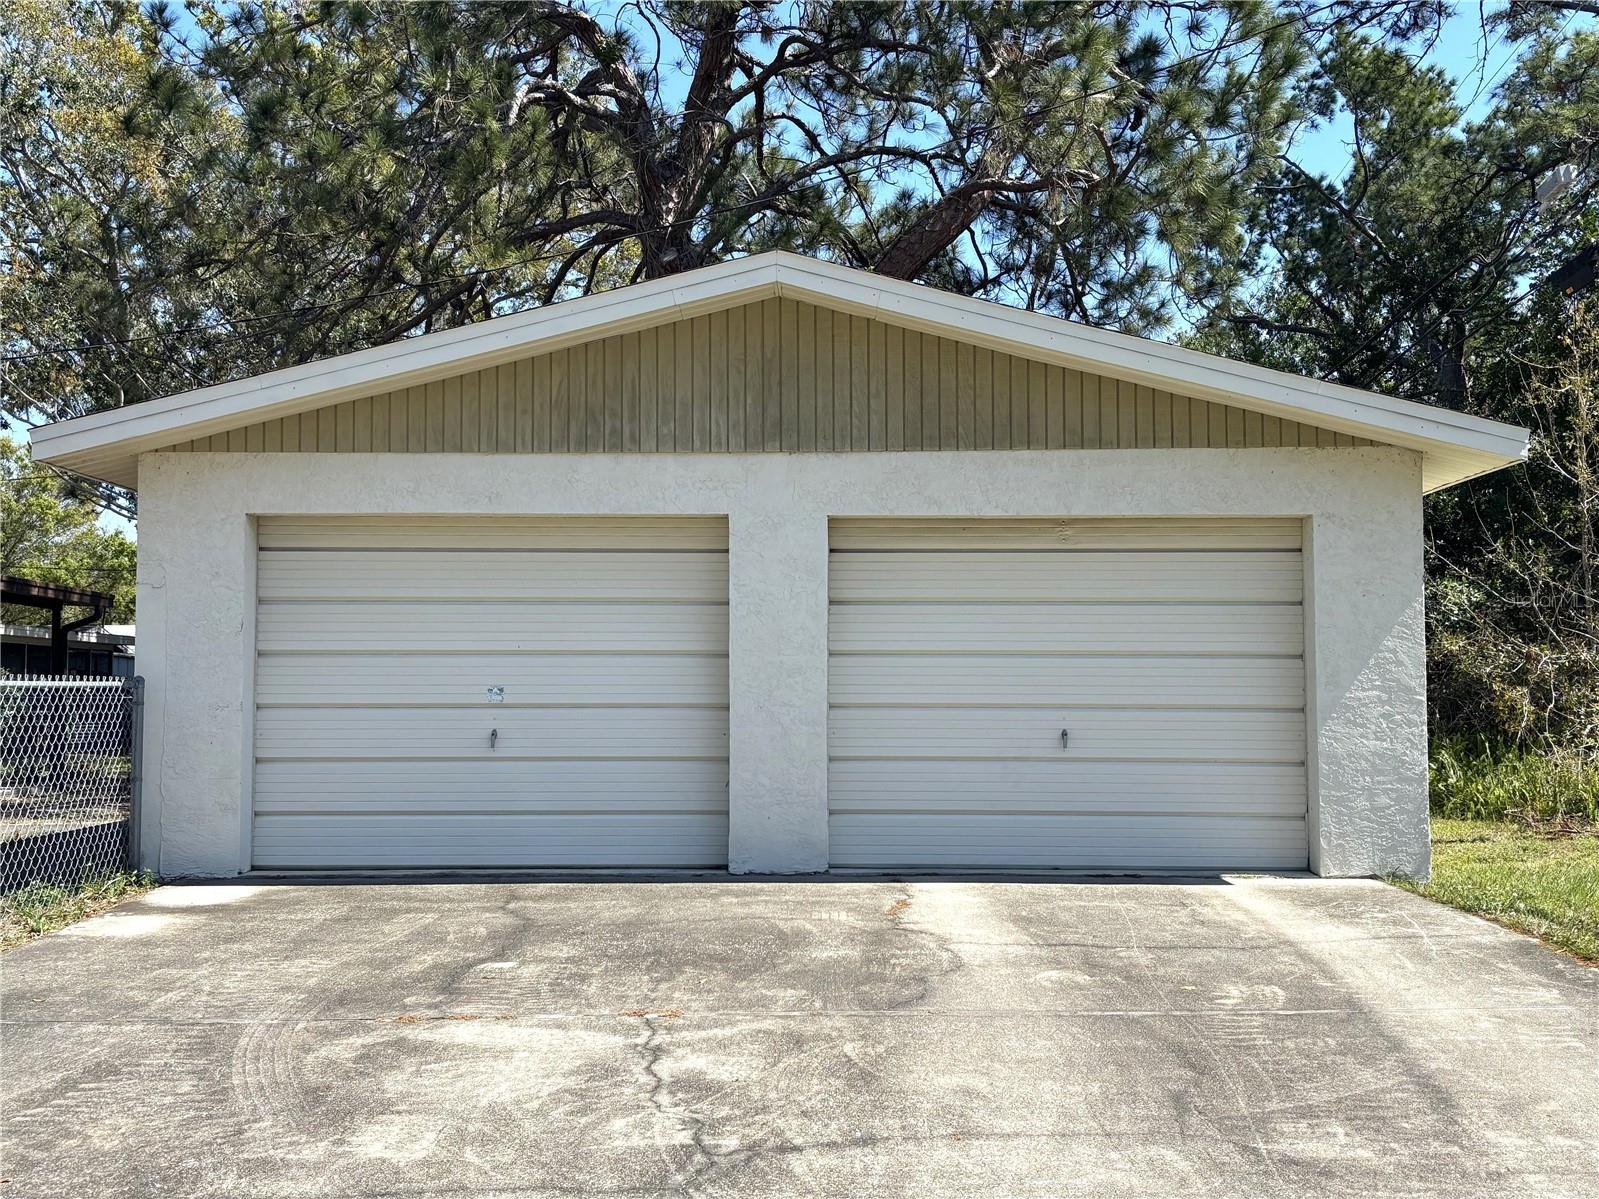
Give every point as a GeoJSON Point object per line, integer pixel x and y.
{"type": "Point", "coordinates": [1270, 1037]}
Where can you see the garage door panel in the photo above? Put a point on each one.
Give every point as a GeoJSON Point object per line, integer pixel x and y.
{"type": "Point", "coordinates": [432, 679]}
{"type": "Point", "coordinates": [496, 627]}
{"type": "Point", "coordinates": [354, 788]}
{"type": "Point", "coordinates": [1067, 627]}
{"type": "Point", "coordinates": [1171, 650]}
{"type": "Point", "coordinates": [465, 841]}
{"type": "Point", "coordinates": [1129, 788]}
{"type": "Point", "coordinates": [496, 532]}
{"type": "Point", "coordinates": [1033, 577]}
{"type": "Point", "coordinates": [389, 649]}
{"type": "Point", "coordinates": [482, 575]}
{"type": "Point", "coordinates": [957, 680]}
{"type": "Point", "coordinates": [1120, 533]}
{"type": "Point", "coordinates": [462, 733]}
{"type": "Point", "coordinates": [1073, 842]}
{"type": "Point", "coordinates": [1180, 734]}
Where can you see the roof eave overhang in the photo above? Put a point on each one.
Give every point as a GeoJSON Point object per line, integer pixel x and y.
{"type": "Point", "coordinates": [106, 446]}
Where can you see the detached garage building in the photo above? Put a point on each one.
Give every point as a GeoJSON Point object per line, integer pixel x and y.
{"type": "Point", "coordinates": [782, 566]}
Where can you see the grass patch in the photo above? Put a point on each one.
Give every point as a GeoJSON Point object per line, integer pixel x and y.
{"type": "Point", "coordinates": [41, 908]}
{"type": "Point", "coordinates": [1472, 779]}
{"type": "Point", "coordinates": [1538, 879]}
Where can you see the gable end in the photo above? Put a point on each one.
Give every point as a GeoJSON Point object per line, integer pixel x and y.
{"type": "Point", "coordinates": [776, 376]}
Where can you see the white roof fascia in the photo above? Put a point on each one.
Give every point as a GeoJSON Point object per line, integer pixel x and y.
{"type": "Point", "coordinates": [106, 444]}
{"type": "Point", "coordinates": [407, 362]}
{"type": "Point", "coordinates": [1140, 360]}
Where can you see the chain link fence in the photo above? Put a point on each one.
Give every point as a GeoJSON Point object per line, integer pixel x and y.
{"type": "Point", "coordinates": [68, 777]}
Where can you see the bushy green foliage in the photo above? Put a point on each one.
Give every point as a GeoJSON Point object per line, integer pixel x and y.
{"type": "Point", "coordinates": [1513, 558]}
{"type": "Point", "coordinates": [49, 533]}
{"type": "Point", "coordinates": [1487, 680]}
{"type": "Point", "coordinates": [1473, 779]}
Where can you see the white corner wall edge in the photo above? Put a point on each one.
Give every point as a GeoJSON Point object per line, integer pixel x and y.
{"type": "Point", "coordinates": [106, 445]}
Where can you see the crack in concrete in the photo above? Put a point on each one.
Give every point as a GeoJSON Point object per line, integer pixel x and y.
{"type": "Point", "coordinates": [949, 962]}
{"type": "Point", "coordinates": [701, 1157]}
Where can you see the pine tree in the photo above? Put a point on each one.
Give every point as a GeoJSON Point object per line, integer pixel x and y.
{"type": "Point", "coordinates": [188, 197]}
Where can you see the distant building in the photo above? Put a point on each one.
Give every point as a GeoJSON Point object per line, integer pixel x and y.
{"type": "Point", "coordinates": [106, 651]}
{"type": "Point", "coordinates": [80, 645]}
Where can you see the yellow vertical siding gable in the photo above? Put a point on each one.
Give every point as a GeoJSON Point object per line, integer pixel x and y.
{"type": "Point", "coordinates": [774, 376]}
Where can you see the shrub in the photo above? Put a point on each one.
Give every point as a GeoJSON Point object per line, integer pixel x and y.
{"type": "Point", "coordinates": [1473, 779]}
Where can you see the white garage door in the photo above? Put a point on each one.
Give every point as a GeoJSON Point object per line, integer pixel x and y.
{"type": "Point", "coordinates": [1168, 654]}
{"type": "Point", "coordinates": [455, 691]}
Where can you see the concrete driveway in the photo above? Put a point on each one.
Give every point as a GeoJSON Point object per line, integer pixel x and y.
{"type": "Point", "coordinates": [1280, 1037]}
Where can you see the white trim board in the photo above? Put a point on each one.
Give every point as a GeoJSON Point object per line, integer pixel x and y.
{"type": "Point", "coordinates": [106, 445]}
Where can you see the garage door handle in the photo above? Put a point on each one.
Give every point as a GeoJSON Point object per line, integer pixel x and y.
{"type": "Point", "coordinates": [1064, 733]}
{"type": "Point", "coordinates": [494, 735]}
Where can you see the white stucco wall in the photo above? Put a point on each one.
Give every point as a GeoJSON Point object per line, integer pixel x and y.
{"type": "Point", "coordinates": [1364, 655]}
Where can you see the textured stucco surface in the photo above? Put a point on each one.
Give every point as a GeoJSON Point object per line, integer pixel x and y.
{"type": "Point", "coordinates": [1365, 702]}
{"type": "Point", "coordinates": [1281, 1038]}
